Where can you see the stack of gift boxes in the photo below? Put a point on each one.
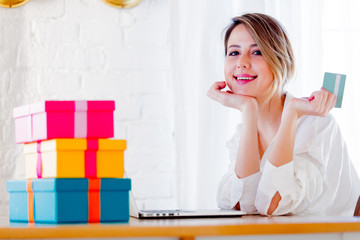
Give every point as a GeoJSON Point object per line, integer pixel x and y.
{"type": "Point", "coordinates": [73, 171]}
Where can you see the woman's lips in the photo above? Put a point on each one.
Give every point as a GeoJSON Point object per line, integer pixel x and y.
{"type": "Point", "coordinates": [244, 78]}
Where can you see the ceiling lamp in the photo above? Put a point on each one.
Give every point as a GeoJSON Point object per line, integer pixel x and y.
{"type": "Point", "coordinates": [12, 3]}
{"type": "Point", "coordinates": [122, 3]}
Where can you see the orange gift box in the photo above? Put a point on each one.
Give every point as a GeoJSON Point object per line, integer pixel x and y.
{"type": "Point", "coordinates": [75, 158]}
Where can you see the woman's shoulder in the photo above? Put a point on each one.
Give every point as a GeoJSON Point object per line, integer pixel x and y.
{"type": "Point", "coordinates": [316, 133]}
{"type": "Point", "coordinates": [318, 124]}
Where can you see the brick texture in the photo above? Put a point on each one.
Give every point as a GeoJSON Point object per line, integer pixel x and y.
{"type": "Point", "coordinates": [85, 49]}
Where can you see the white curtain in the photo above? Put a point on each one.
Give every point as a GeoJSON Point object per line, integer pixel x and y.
{"type": "Point", "coordinates": [341, 54]}
{"type": "Point", "coordinates": [204, 126]}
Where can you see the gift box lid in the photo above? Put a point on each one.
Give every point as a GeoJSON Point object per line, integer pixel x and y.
{"type": "Point", "coordinates": [69, 184]}
{"type": "Point", "coordinates": [16, 185]}
{"type": "Point", "coordinates": [64, 106]}
{"type": "Point", "coordinates": [79, 144]}
{"type": "Point", "coordinates": [110, 144]}
{"type": "Point", "coordinates": [21, 111]}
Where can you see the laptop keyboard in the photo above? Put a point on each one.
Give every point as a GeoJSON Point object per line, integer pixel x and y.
{"type": "Point", "coordinates": [163, 212]}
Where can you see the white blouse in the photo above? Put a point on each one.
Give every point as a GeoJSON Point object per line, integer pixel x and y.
{"type": "Point", "coordinates": [320, 180]}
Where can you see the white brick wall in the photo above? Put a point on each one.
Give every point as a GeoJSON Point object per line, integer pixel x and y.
{"type": "Point", "coordinates": [84, 49]}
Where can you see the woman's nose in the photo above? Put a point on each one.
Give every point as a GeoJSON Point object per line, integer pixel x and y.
{"type": "Point", "coordinates": [244, 61]}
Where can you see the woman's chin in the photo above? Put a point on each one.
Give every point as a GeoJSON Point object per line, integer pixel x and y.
{"type": "Point", "coordinates": [245, 93]}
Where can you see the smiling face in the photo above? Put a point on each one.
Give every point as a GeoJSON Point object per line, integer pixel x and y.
{"type": "Point", "coordinates": [246, 71]}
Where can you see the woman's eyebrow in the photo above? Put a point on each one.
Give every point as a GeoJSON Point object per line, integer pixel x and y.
{"type": "Point", "coordinates": [238, 46]}
{"type": "Point", "coordinates": [234, 46]}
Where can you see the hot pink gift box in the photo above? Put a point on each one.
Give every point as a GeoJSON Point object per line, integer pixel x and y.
{"type": "Point", "coordinates": [64, 119]}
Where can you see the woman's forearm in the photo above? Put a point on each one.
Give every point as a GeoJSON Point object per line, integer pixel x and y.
{"type": "Point", "coordinates": [248, 159]}
{"type": "Point", "coordinates": [283, 148]}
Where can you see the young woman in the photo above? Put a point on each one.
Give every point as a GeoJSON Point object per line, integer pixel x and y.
{"type": "Point", "coordinates": [288, 155]}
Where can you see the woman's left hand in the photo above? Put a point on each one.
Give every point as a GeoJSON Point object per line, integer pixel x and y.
{"type": "Point", "coordinates": [318, 104]}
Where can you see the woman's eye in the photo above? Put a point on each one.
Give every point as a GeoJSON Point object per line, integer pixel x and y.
{"type": "Point", "coordinates": [257, 52]}
{"type": "Point", "coordinates": [233, 53]}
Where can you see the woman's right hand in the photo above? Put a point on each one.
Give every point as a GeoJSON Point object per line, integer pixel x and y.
{"type": "Point", "coordinates": [229, 99]}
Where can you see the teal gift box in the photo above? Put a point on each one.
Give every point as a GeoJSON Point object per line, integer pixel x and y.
{"type": "Point", "coordinates": [69, 200]}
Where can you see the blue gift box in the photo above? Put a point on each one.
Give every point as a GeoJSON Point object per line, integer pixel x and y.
{"type": "Point", "coordinates": [66, 200]}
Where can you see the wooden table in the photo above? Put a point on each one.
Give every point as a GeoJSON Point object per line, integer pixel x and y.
{"type": "Point", "coordinates": [247, 227]}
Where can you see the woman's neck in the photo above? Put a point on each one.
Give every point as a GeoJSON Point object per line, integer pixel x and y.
{"type": "Point", "coordinates": [271, 111]}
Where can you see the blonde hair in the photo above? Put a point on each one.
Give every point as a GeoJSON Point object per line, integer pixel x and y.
{"type": "Point", "coordinates": [273, 44]}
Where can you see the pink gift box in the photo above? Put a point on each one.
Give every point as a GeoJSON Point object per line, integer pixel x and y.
{"type": "Point", "coordinates": [64, 119]}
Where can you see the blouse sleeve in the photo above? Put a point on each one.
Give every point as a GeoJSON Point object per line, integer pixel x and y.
{"type": "Point", "coordinates": [231, 189]}
{"type": "Point", "coordinates": [298, 185]}
{"type": "Point", "coordinates": [300, 182]}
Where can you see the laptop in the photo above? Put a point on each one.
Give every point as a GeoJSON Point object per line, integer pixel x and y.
{"type": "Point", "coordinates": [153, 214]}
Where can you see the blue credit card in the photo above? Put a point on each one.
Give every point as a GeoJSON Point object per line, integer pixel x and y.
{"type": "Point", "coordinates": [335, 83]}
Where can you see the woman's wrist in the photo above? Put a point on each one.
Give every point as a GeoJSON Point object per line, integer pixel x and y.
{"type": "Point", "coordinates": [290, 111]}
{"type": "Point", "coordinates": [250, 106]}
